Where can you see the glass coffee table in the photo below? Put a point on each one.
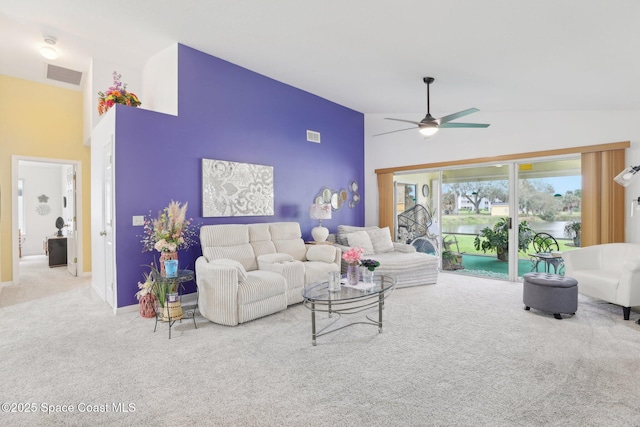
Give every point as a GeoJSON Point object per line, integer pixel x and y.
{"type": "Point", "coordinates": [318, 298]}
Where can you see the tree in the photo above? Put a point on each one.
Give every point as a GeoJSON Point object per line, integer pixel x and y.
{"type": "Point", "coordinates": [477, 191]}
{"type": "Point", "coordinates": [571, 200]}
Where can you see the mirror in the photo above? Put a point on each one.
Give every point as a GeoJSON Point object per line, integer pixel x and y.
{"type": "Point", "coordinates": [336, 201]}
{"type": "Point", "coordinates": [326, 195]}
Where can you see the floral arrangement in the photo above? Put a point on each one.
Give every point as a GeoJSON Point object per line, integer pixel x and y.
{"type": "Point", "coordinates": [159, 289]}
{"type": "Point", "coordinates": [116, 94]}
{"type": "Point", "coordinates": [353, 255]}
{"type": "Point", "coordinates": [170, 231]}
{"type": "Point", "coordinates": [370, 264]}
{"type": "Point", "coordinates": [145, 287]}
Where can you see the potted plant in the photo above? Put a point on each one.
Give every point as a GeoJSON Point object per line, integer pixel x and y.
{"type": "Point", "coordinates": [572, 231]}
{"type": "Point", "coordinates": [451, 260]}
{"type": "Point", "coordinates": [163, 292]}
{"type": "Point", "coordinates": [368, 267]}
{"type": "Point", "coordinates": [496, 238]}
{"type": "Point", "coordinates": [146, 297]}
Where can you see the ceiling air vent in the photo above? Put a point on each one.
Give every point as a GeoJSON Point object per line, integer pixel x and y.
{"type": "Point", "coordinates": [64, 75]}
{"type": "Point", "coordinates": [313, 136]}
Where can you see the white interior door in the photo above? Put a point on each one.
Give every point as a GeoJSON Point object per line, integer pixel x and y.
{"type": "Point", "coordinates": [71, 221]}
{"type": "Point", "coordinates": [107, 226]}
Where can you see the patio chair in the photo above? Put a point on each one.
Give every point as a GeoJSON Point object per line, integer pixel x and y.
{"type": "Point", "coordinates": [544, 245]}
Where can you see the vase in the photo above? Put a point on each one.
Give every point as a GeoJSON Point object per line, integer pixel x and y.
{"type": "Point", "coordinates": [172, 309]}
{"type": "Point", "coordinates": [367, 275]}
{"type": "Point", "coordinates": [147, 306]}
{"type": "Point", "coordinates": [353, 274]}
{"type": "Point", "coordinates": [165, 256]}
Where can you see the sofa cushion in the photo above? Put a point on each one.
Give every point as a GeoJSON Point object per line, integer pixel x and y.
{"type": "Point", "coordinates": [224, 235]}
{"type": "Point", "coordinates": [397, 262]}
{"type": "Point", "coordinates": [241, 253]}
{"type": "Point", "coordinates": [381, 240]}
{"type": "Point", "coordinates": [262, 285]}
{"type": "Point", "coordinates": [287, 239]}
{"type": "Point", "coordinates": [343, 230]}
{"type": "Point", "coordinates": [260, 239]}
{"type": "Point", "coordinates": [318, 271]}
{"type": "Point", "coordinates": [323, 253]}
{"type": "Point", "coordinates": [242, 273]}
{"type": "Point", "coordinates": [276, 258]}
{"type": "Point", "coordinates": [361, 238]}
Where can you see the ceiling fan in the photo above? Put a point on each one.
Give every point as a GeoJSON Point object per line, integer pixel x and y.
{"type": "Point", "coordinates": [430, 125]}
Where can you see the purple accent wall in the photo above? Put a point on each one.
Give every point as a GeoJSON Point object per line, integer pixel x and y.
{"type": "Point", "coordinates": [227, 112]}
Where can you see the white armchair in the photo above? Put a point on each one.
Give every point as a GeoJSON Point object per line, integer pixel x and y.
{"type": "Point", "coordinates": [610, 272]}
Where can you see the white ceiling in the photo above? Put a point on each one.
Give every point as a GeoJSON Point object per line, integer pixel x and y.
{"type": "Point", "coordinates": [368, 55]}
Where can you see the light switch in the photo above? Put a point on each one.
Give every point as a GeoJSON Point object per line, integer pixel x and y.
{"type": "Point", "coordinates": [138, 220]}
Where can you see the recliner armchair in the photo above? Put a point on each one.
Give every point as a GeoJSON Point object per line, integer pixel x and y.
{"type": "Point", "coordinates": [610, 272]}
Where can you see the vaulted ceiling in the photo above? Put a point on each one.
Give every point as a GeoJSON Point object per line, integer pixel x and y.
{"type": "Point", "coordinates": [368, 55]}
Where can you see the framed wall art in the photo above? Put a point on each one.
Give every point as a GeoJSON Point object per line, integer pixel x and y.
{"type": "Point", "coordinates": [236, 189]}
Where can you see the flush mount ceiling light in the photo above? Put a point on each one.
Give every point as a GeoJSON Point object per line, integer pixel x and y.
{"type": "Point", "coordinates": [49, 52]}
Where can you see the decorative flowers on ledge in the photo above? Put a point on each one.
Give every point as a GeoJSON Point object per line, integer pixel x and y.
{"type": "Point", "coordinates": [116, 94]}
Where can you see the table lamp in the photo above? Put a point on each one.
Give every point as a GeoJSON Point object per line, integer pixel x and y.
{"type": "Point", "coordinates": [320, 212]}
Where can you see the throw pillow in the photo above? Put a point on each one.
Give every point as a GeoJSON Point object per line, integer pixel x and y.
{"type": "Point", "coordinates": [323, 253]}
{"type": "Point", "coordinates": [381, 240]}
{"type": "Point", "coordinates": [344, 230]}
{"type": "Point", "coordinates": [242, 273]}
{"type": "Point", "coordinates": [362, 239]}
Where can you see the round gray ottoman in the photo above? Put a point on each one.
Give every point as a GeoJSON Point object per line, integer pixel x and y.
{"type": "Point", "coordinates": [550, 293]}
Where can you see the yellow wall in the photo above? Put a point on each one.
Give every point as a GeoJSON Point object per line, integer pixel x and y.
{"type": "Point", "coordinates": [44, 121]}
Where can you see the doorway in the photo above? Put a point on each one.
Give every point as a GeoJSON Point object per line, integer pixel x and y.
{"type": "Point", "coordinates": [46, 194]}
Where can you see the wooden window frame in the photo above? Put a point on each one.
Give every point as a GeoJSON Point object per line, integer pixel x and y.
{"type": "Point", "coordinates": [603, 201]}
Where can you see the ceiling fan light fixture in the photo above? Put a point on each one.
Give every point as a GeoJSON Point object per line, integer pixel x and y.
{"type": "Point", "coordinates": [430, 125]}
{"type": "Point", "coordinates": [428, 130]}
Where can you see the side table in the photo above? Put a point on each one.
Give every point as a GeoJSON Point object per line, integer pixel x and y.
{"type": "Point", "coordinates": [189, 311]}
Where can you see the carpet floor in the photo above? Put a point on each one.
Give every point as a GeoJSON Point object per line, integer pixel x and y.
{"type": "Point", "coordinates": [461, 352]}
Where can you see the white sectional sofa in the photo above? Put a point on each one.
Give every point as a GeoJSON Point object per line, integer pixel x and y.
{"type": "Point", "coordinates": [252, 270]}
{"type": "Point", "coordinates": [401, 260]}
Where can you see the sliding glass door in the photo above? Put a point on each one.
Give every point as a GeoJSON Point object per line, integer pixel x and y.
{"type": "Point", "coordinates": [484, 220]}
{"type": "Point", "coordinates": [550, 200]}
{"type": "Point", "coordinates": [476, 221]}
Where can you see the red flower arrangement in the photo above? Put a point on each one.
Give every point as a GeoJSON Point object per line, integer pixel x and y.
{"type": "Point", "coordinates": [116, 94]}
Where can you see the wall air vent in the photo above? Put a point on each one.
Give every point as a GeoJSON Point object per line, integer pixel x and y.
{"type": "Point", "coordinates": [64, 75]}
{"type": "Point", "coordinates": [313, 136]}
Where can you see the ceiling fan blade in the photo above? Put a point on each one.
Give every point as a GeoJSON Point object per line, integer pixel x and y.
{"type": "Point", "coordinates": [393, 131]}
{"type": "Point", "coordinates": [401, 120]}
{"type": "Point", "coordinates": [464, 125]}
{"type": "Point", "coordinates": [454, 116]}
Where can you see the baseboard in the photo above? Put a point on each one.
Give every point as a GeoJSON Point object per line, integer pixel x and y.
{"type": "Point", "coordinates": [127, 309]}
{"type": "Point", "coordinates": [188, 299]}
{"type": "Point", "coordinates": [3, 284]}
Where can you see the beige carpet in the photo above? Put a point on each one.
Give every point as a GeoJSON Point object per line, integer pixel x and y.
{"type": "Point", "coordinates": [462, 352]}
{"type": "Point", "coordinates": [38, 280]}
